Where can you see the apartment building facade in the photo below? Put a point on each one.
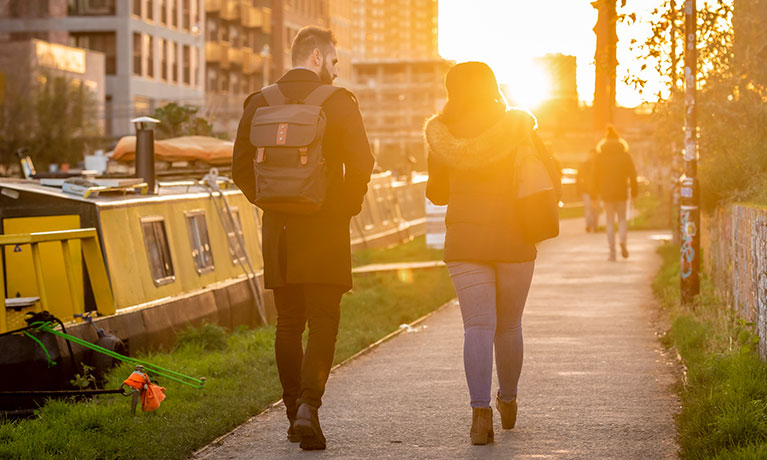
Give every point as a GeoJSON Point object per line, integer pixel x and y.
{"type": "Point", "coordinates": [288, 17]}
{"type": "Point", "coordinates": [403, 29]}
{"type": "Point", "coordinates": [396, 97]}
{"type": "Point", "coordinates": [154, 49]}
{"type": "Point", "coordinates": [398, 76]}
{"type": "Point", "coordinates": [237, 57]}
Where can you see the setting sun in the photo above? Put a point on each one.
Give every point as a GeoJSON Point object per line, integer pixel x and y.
{"type": "Point", "coordinates": [526, 89]}
{"type": "Point", "coordinates": [510, 35]}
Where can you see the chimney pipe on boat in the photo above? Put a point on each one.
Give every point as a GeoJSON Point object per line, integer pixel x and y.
{"type": "Point", "coordinates": [145, 150]}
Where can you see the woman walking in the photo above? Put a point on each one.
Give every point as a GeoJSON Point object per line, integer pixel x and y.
{"type": "Point", "coordinates": [474, 162]}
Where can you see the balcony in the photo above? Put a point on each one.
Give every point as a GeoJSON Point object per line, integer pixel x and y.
{"type": "Point", "coordinates": [235, 56]}
{"type": "Point", "coordinates": [230, 9]}
{"type": "Point", "coordinates": [252, 62]}
{"type": "Point", "coordinates": [267, 27]}
{"type": "Point", "coordinates": [218, 53]}
{"type": "Point", "coordinates": [213, 6]}
{"type": "Point", "coordinates": [252, 16]}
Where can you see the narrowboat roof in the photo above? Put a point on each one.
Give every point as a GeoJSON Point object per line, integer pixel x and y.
{"type": "Point", "coordinates": [185, 189]}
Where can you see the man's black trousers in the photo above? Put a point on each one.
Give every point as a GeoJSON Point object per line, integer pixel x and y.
{"type": "Point", "coordinates": [303, 374]}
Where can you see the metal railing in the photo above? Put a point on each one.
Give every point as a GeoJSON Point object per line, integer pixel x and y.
{"type": "Point", "coordinates": [94, 263]}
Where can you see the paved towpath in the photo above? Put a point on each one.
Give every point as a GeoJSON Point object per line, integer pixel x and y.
{"type": "Point", "coordinates": [595, 383]}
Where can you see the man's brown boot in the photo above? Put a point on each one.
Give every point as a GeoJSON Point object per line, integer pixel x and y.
{"type": "Point", "coordinates": [508, 411]}
{"type": "Point", "coordinates": [481, 425]}
{"type": "Point", "coordinates": [307, 425]}
{"type": "Point", "coordinates": [292, 435]}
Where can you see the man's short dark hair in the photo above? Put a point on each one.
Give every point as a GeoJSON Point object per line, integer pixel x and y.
{"type": "Point", "coordinates": [307, 40]}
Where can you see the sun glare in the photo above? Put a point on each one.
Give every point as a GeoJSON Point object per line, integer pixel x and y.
{"type": "Point", "coordinates": [509, 35]}
{"type": "Point", "coordinates": [528, 87]}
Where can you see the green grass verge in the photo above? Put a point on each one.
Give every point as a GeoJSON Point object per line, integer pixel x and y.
{"type": "Point", "coordinates": [651, 212]}
{"type": "Point", "coordinates": [241, 381]}
{"type": "Point", "coordinates": [724, 398]}
{"type": "Point", "coordinates": [414, 250]}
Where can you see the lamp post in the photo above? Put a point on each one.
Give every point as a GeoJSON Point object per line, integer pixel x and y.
{"type": "Point", "coordinates": [689, 212]}
{"type": "Point", "coordinates": [145, 150]}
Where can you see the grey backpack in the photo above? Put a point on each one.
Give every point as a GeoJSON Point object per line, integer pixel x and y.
{"type": "Point", "coordinates": [289, 165]}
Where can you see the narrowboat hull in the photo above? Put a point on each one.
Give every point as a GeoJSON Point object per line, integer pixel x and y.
{"type": "Point", "coordinates": [169, 259]}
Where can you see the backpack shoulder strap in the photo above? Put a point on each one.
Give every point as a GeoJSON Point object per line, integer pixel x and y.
{"type": "Point", "coordinates": [321, 94]}
{"type": "Point", "coordinates": [273, 95]}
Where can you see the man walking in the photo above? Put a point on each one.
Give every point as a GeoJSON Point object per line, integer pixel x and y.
{"type": "Point", "coordinates": [307, 257]}
{"type": "Point", "coordinates": [614, 173]}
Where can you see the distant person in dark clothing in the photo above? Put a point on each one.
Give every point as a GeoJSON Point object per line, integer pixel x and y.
{"type": "Point", "coordinates": [614, 175]}
{"type": "Point", "coordinates": [585, 187]}
{"type": "Point", "coordinates": [307, 258]}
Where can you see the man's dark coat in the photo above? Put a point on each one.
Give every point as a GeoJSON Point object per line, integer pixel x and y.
{"type": "Point", "coordinates": [312, 249]}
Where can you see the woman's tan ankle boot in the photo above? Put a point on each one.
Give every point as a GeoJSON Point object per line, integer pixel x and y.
{"type": "Point", "coordinates": [508, 411]}
{"type": "Point", "coordinates": [481, 425]}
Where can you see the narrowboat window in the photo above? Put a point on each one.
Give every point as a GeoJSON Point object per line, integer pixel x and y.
{"type": "Point", "coordinates": [235, 251]}
{"type": "Point", "coordinates": [158, 250]}
{"type": "Point", "coordinates": [198, 237]}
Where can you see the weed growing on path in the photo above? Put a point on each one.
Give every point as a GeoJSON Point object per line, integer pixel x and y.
{"type": "Point", "coordinates": [724, 403]}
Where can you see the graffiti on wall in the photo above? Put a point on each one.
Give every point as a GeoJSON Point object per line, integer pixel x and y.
{"type": "Point", "coordinates": [689, 230]}
{"type": "Point", "coordinates": [736, 253]}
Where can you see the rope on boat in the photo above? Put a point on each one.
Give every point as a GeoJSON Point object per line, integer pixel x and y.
{"type": "Point", "coordinates": [44, 321]}
{"type": "Point", "coordinates": [210, 181]}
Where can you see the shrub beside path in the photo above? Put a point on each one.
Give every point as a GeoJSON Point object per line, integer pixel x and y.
{"type": "Point", "coordinates": [596, 383]}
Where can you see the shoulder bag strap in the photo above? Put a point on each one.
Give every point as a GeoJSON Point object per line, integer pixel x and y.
{"type": "Point", "coordinates": [273, 95]}
{"type": "Point", "coordinates": [320, 94]}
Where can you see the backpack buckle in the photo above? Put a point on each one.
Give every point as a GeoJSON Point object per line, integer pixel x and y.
{"type": "Point", "coordinates": [303, 153]}
{"type": "Point", "coordinates": [260, 155]}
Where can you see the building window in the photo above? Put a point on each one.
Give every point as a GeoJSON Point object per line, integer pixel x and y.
{"type": "Point", "coordinates": [196, 23]}
{"type": "Point", "coordinates": [91, 8]}
{"type": "Point", "coordinates": [98, 41]}
{"type": "Point", "coordinates": [212, 80]}
{"type": "Point", "coordinates": [150, 10]}
{"type": "Point", "coordinates": [199, 240]}
{"type": "Point", "coordinates": [234, 82]}
{"type": "Point", "coordinates": [224, 33]}
{"type": "Point", "coordinates": [137, 7]}
{"type": "Point", "coordinates": [234, 35]}
{"type": "Point", "coordinates": [164, 60]}
{"type": "Point", "coordinates": [186, 14]}
{"type": "Point", "coordinates": [174, 13]}
{"type": "Point", "coordinates": [136, 53]}
{"type": "Point", "coordinates": [163, 12]}
{"type": "Point", "coordinates": [173, 61]}
{"type": "Point", "coordinates": [108, 117]}
{"type": "Point", "coordinates": [187, 65]}
{"type": "Point", "coordinates": [212, 31]}
{"type": "Point", "coordinates": [224, 84]}
{"type": "Point", "coordinates": [157, 250]}
{"type": "Point", "coordinates": [149, 56]}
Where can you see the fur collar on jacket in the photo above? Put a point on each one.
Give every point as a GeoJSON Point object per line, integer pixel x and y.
{"type": "Point", "coordinates": [612, 145]}
{"type": "Point", "coordinates": [493, 145]}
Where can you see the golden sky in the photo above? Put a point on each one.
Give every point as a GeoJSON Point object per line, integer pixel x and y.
{"type": "Point", "coordinates": [509, 34]}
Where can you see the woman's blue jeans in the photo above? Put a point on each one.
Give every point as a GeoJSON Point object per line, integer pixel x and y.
{"type": "Point", "coordinates": [492, 298]}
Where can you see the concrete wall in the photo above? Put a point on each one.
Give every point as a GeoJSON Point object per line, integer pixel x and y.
{"type": "Point", "coordinates": [735, 253]}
